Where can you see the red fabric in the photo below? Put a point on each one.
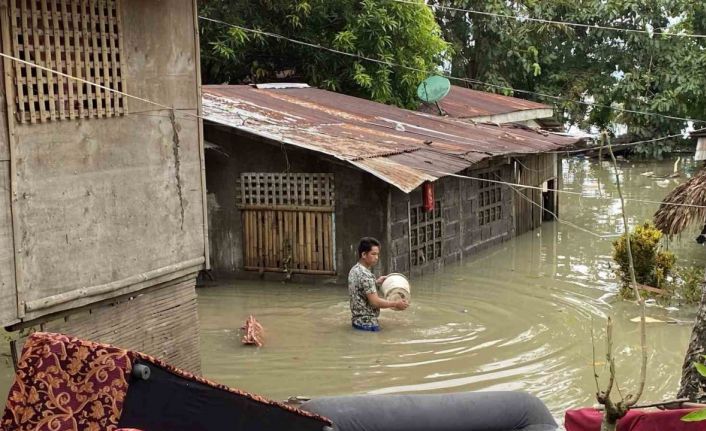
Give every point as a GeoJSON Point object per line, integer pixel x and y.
{"type": "Point", "coordinates": [589, 419]}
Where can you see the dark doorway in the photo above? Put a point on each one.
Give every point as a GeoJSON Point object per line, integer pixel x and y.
{"type": "Point", "coordinates": [549, 200]}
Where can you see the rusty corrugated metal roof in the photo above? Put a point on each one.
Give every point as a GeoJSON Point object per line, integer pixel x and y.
{"type": "Point", "coordinates": [404, 148]}
{"type": "Point", "coordinates": [466, 103]}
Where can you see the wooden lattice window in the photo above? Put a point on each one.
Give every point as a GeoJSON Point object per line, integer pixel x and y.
{"type": "Point", "coordinates": [290, 190]}
{"type": "Point", "coordinates": [426, 234]}
{"type": "Point", "coordinates": [80, 38]}
{"type": "Point", "coordinates": [490, 199]}
{"type": "Point", "coordinates": [288, 222]}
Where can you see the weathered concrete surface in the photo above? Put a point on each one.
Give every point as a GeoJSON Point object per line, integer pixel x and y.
{"type": "Point", "coordinates": [99, 201]}
{"type": "Point", "coordinates": [160, 49]}
{"type": "Point", "coordinates": [361, 199]}
{"type": "Point", "coordinates": [8, 293]}
{"type": "Point", "coordinates": [105, 200]}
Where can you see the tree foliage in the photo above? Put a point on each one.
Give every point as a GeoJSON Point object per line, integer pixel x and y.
{"type": "Point", "coordinates": [384, 30]}
{"type": "Point", "coordinates": [652, 72]}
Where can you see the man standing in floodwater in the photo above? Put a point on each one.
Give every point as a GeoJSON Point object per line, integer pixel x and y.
{"type": "Point", "coordinates": [362, 287]}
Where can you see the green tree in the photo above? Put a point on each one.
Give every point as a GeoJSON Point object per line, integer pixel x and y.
{"type": "Point", "coordinates": [384, 30]}
{"type": "Point", "coordinates": [640, 72]}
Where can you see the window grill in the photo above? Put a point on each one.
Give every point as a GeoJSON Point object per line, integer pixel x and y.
{"type": "Point", "coordinates": [490, 199]}
{"type": "Point", "coordinates": [80, 38]}
{"type": "Point", "coordinates": [426, 234]}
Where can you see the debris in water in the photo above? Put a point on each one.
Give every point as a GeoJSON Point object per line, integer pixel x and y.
{"type": "Point", "coordinates": [253, 332]}
{"type": "Point", "coordinates": [647, 320]}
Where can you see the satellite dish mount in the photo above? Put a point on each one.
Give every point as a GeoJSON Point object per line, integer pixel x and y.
{"type": "Point", "coordinates": [433, 89]}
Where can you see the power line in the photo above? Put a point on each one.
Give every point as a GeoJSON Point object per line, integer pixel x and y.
{"type": "Point", "coordinates": [562, 221]}
{"type": "Point", "coordinates": [568, 192]}
{"type": "Point", "coordinates": [627, 144]}
{"type": "Point", "coordinates": [566, 23]}
{"type": "Point", "coordinates": [446, 75]}
{"type": "Point", "coordinates": [204, 118]}
{"type": "Point", "coordinates": [433, 171]}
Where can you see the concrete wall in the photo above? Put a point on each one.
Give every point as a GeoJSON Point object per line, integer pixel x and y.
{"type": "Point", "coordinates": [362, 207]}
{"type": "Point", "coordinates": [462, 234]}
{"type": "Point", "coordinates": [8, 293]}
{"type": "Point", "coordinates": [101, 202]}
{"type": "Point", "coordinates": [361, 199]}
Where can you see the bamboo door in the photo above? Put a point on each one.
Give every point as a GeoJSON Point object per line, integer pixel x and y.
{"type": "Point", "coordinates": [288, 222]}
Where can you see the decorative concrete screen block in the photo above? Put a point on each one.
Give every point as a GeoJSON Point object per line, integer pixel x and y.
{"type": "Point", "coordinates": [426, 234]}
{"type": "Point", "coordinates": [80, 38]}
{"type": "Point", "coordinates": [490, 199]}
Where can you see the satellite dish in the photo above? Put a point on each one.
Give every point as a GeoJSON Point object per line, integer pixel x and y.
{"type": "Point", "coordinates": [433, 89]}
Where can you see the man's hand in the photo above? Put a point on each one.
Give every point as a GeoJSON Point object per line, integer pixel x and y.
{"type": "Point", "coordinates": [381, 280]}
{"type": "Point", "coordinates": [401, 305]}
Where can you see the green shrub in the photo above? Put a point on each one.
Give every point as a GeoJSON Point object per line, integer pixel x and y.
{"type": "Point", "coordinates": [652, 265]}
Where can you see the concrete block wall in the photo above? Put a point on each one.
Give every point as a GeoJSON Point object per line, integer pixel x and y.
{"type": "Point", "coordinates": [462, 234]}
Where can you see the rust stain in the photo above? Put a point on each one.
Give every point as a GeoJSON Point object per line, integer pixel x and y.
{"type": "Point", "coordinates": [464, 102]}
{"type": "Point", "coordinates": [404, 148]}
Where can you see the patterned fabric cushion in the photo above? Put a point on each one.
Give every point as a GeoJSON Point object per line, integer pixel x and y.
{"type": "Point", "coordinates": [65, 384]}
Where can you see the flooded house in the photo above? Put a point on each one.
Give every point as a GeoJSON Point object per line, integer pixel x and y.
{"type": "Point", "coordinates": [297, 175]}
{"type": "Point", "coordinates": [102, 228]}
{"type": "Point", "coordinates": [537, 170]}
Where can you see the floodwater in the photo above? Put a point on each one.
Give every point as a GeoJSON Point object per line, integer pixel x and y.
{"type": "Point", "coordinates": [516, 317]}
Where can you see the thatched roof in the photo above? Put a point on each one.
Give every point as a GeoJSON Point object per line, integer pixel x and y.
{"type": "Point", "coordinates": [673, 219]}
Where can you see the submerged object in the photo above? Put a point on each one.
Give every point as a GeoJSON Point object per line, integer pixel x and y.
{"type": "Point", "coordinates": [253, 332]}
{"type": "Point", "coordinates": [486, 411]}
{"type": "Point", "coordinates": [396, 287]}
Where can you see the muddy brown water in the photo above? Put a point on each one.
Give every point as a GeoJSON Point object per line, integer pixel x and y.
{"type": "Point", "coordinates": [516, 317]}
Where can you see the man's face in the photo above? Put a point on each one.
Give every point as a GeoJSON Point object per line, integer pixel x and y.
{"type": "Point", "coordinates": [371, 257]}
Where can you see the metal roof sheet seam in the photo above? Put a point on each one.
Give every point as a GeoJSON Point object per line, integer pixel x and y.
{"type": "Point", "coordinates": [391, 143]}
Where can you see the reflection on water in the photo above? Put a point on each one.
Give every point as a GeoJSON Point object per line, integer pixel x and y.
{"type": "Point", "coordinates": [516, 317]}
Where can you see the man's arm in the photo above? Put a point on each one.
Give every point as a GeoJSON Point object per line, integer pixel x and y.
{"type": "Point", "coordinates": [378, 302]}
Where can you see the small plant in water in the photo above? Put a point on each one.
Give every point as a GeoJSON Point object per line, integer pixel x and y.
{"type": "Point", "coordinates": [652, 265]}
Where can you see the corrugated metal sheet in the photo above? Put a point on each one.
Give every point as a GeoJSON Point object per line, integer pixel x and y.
{"type": "Point", "coordinates": [404, 148]}
{"type": "Point", "coordinates": [467, 103]}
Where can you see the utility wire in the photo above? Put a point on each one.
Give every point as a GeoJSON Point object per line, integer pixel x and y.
{"type": "Point", "coordinates": [657, 31]}
{"type": "Point", "coordinates": [560, 220]}
{"type": "Point", "coordinates": [204, 118]}
{"type": "Point", "coordinates": [446, 75]}
{"type": "Point", "coordinates": [627, 144]}
{"type": "Point", "coordinates": [567, 192]}
{"type": "Point", "coordinates": [201, 117]}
